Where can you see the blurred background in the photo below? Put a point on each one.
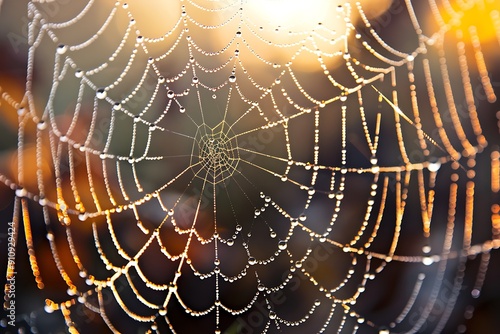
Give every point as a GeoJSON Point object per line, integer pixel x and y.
{"type": "Point", "coordinates": [208, 108]}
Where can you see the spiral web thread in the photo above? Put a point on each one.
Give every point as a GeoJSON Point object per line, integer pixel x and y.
{"type": "Point", "coordinates": [207, 179]}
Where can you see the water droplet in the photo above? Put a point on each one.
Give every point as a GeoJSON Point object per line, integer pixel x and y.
{"type": "Point", "coordinates": [272, 315]}
{"type": "Point", "coordinates": [261, 287]}
{"type": "Point", "coordinates": [232, 78]}
{"type": "Point", "coordinates": [42, 201]}
{"type": "Point", "coordinates": [170, 94]}
{"type": "Point", "coordinates": [21, 192]}
{"type": "Point", "coordinates": [101, 93]}
{"type": "Point", "coordinates": [434, 166]}
{"type": "Point", "coordinates": [339, 195]}
{"type": "Point", "coordinates": [195, 80]}
{"type": "Point", "coordinates": [78, 73]}
{"type": "Point", "coordinates": [282, 244]}
{"type": "Point", "coordinates": [317, 302]}
{"type": "Point", "coordinates": [42, 125]}
{"type": "Point", "coordinates": [252, 260]}
{"type": "Point", "coordinates": [284, 178]}
{"type": "Point", "coordinates": [302, 217]}
{"type": "Point", "coordinates": [427, 260]}
{"type": "Point", "coordinates": [238, 34]}
{"type": "Point", "coordinates": [230, 242]}
{"type": "Point", "coordinates": [182, 110]}
{"type": "Point", "coordinates": [311, 191]}
{"type": "Point", "coordinates": [238, 228]}
{"type": "Point", "coordinates": [383, 330]}
{"type": "Point", "coordinates": [162, 312]}
{"type": "Point", "coordinates": [426, 249]}
{"type": "Point", "coordinates": [214, 96]}
{"type": "Point", "coordinates": [140, 39]}
{"type": "Point", "coordinates": [61, 49]}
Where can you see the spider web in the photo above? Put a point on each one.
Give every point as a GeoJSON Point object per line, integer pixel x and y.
{"type": "Point", "coordinates": [218, 166]}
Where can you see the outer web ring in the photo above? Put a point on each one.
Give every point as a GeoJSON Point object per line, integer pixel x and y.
{"type": "Point", "coordinates": [215, 156]}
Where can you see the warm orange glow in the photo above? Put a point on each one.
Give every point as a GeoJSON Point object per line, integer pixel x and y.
{"type": "Point", "coordinates": [304, 15]}
{"type": "Point", "coordinates": [485, 21]}
{"type": "Point", "coordinates": [495, 171]}
{"type": "Point", "coordinates": [329, 19]}
{"type": "Point", "coordinates": [278, 31]}
{"type": "Point", "coordinates": [161, 16]}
